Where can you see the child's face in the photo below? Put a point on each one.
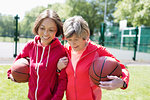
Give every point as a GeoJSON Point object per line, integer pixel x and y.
{"type": "Point", "coordinates": [76, 43]}
{"type": "Point", "coordinates": [47, 31]}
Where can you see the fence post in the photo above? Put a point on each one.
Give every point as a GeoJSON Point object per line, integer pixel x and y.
{"type": "Point", "coordinates": [135, 43]}
{"type": "Point", "coordinates": [16, 35]}
{"type": "Point", "coordinates": [102, 31]}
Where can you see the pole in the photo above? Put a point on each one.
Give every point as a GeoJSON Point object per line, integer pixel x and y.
{"type": "Point", "coordinates": [16, 35]}
{"type": "Point", "coordinates": [102, 31]}
{"type": "Point", "coordinates": [135, 43]}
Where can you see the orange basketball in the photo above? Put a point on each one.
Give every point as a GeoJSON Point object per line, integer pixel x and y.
{"type": "Point", "coordinates": [20, 70]}
{"type": "Point", "coordinates": [103, 66]}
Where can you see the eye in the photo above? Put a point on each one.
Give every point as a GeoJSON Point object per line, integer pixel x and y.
{"type": "Point", "coordinates": [76, 39]}
{"type": "Point", "coordinates": [51, 30]}
{"type": "Point", "coordinates": [69, 40]}
{"type": "Point", "coordinates": [41, 28]}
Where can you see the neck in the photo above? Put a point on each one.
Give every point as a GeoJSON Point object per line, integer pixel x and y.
{"type": "Point", "coordinates": [80, 51]}
{"type": "Point", "coordinates": [44, 45]}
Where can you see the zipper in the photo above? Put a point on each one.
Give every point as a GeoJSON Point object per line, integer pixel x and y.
{"type": "Point", "coordinates": [87, 54]}
{"type": "Point", "coordinates": [80, 59]}
{"type": "Point", "coordinates": [75, 72]}
{"type": "Point", "coordinates": [38, 73]}
{"type": "Point", "coordinates": [75, 86]}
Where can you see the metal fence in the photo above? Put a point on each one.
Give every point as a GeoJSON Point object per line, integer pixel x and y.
{"type": "Point", "coordinates": [114, 38]}
{"type": "Point", "coordinates": [125, 39]}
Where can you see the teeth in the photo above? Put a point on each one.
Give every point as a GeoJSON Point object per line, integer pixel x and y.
{"type": "Point", "coordinates": [45, 37]}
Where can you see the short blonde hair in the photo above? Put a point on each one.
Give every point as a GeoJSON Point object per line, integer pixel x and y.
{"type": "Point", "coordinates": [76, 25]}
{"type": "Point", "coordinates": [48, 14]}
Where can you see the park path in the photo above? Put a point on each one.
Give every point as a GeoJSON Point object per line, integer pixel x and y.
{"type": "Point", "coordinates": [7, 50]}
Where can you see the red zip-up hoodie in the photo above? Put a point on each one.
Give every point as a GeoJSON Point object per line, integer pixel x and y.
{"type": "Point", "coordinates": [79, 85]}
{"type": "Point", "coordinates": [44, 82]}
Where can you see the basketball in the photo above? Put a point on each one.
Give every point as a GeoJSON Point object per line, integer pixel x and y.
{"type": "Point", "coordinates": [20, 70]}
{"type": "Point", "coordinates": [103, 66]}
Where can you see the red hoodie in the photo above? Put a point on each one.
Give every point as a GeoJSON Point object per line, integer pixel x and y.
{"type": "Point", "coordinates": [79, 85]}
{"type": "Point", "coordinates": [44, 82]}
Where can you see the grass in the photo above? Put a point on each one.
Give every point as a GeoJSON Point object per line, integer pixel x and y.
{"type": "Point", "coordinates": [10, 90]}
{"type": "Point", "coordinates": [138, 86]}
{"type": "Point", "coordinates": [10, 39]}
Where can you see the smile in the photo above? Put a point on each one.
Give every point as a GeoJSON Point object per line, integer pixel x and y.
{"type": "Point", "coordinates": [46, 38]}
{"type": "Point", "coordinates": [75, 47]}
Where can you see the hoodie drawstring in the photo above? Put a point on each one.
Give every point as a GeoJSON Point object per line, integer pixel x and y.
{"type": "Point", "coordinates": [36, 57]}
{"type": "Point", "coordinates": [37, 66]}
{"type": "Point", "coordinates": [42, 57]}
{"type": "Point", "coordinates": [48, 56]}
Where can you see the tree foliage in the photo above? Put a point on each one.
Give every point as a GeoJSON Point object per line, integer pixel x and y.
{"type": "Point", "coordinates": [92, 11]}
{"type": "Point", "coordinates": [27, 23]}
{"type": "Point", "coordinates": [136, 12]}
{"type": "Point", "coordinates": [63, 10]}
{"type": "Point", "coordinates": [7, 25]}
{"type": "Point", "coordinates": [88, 10]}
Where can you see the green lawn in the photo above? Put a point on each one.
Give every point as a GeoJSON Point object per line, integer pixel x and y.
{"type": "Point", "coordinates": [10, 39]}
{"type": "Point", "coordinates": [138, 86]}
{"type": "Point", "coordinates": [10, 90]}
{"type": "Point", "coordinates": [138, 89]}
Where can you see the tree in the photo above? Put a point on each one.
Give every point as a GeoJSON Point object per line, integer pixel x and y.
{"type": "Point", "coordinates": [88, 10]}
{"type": "Point", "coordinates": [27, 23]}
{"type": "Point", "coordinates": [7, 25]}
{"type": "Point", "coordinates": [142, 15]}
{"type": "Point", "coordinates": [136, 12]}
{"type": "Point", "coordinates": [63, 10]}
{"type": "Point", "coordinates": [92, 11]}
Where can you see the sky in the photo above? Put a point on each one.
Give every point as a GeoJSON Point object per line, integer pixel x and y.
{"type": "Point", "coordinates": [14, 7]}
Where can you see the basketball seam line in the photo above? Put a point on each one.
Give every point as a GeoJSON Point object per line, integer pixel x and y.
{"type": "Point", "coordinates": [113, 70]}
{"type": "Point", "coordinates": [102, 68]}
{"type": "Point", "coordinates": [26, 64]}
{"type": "Point", "coordinates": [94, 79]}
{"type": "Point", "coordinates": [21, 72]}
{"type": "Point", "coordinates": [100, 73]}
{"type": "Point", "coordinates": [94, 70]}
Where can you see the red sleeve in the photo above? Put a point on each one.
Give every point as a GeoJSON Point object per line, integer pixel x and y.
{"type": "Point", "coordinates": [62, 82]}
{"type": "Point", "coordinates": [25, 51]}
{"type": "Point", "coordinates": [8, 73]}
{"type": "Point", "coordinates": [62, 85]}
{"type": "Point", "coordinates": [125, 73]}
{"type": "Point", "coordinates": [22, 54]}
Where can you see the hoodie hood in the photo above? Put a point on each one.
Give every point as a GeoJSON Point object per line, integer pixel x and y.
{"type": "Point", "coordinates": [37, 41]}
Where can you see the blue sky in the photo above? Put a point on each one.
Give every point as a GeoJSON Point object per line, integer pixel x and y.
{"type": "Point", "coordinates": [13, 7]}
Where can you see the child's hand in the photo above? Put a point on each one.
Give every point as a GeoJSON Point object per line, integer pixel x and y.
{"type": "Point", "coordinates": [11, 77]}
{"type": "Point", "coordinates": [62, 63]}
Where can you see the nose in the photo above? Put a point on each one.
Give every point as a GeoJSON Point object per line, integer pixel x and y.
{"type": "Point", "coordinates": [73, 43]}
{"type": "Point", "coordinates": [46, 33]}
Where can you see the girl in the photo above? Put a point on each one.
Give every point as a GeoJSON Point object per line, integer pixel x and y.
{"type": "Point", "coordinates": [44, 52]}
